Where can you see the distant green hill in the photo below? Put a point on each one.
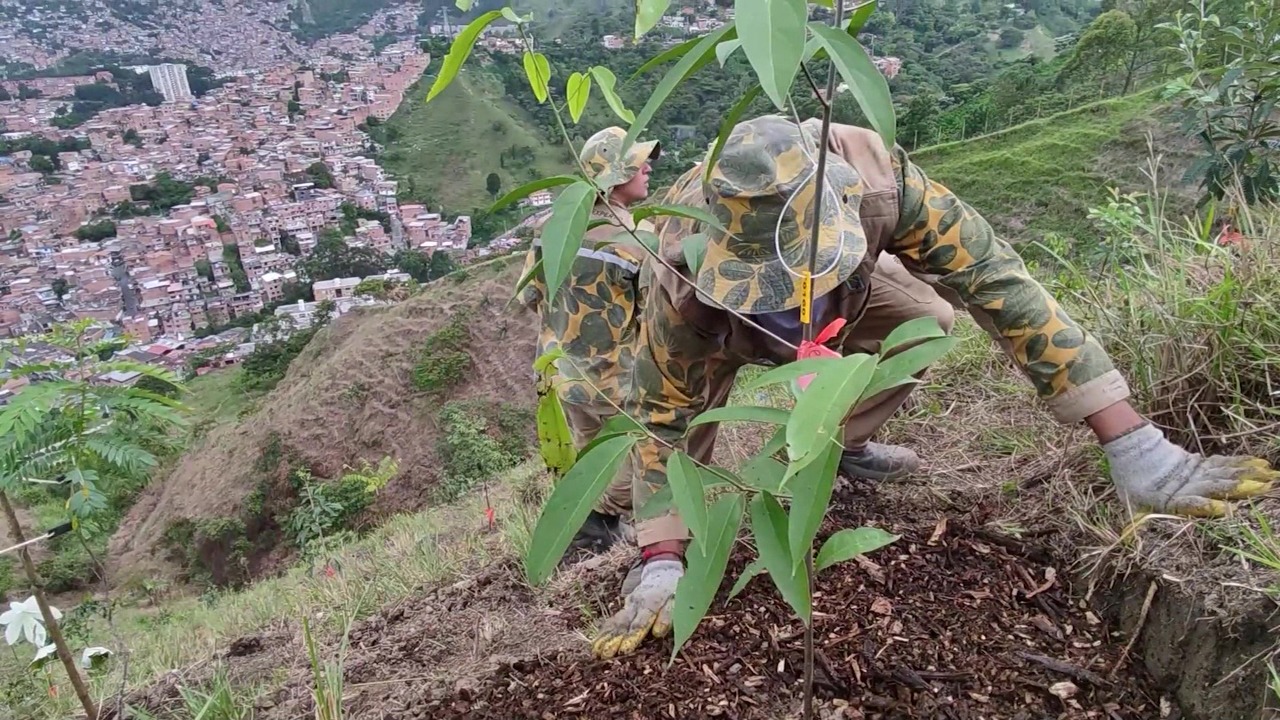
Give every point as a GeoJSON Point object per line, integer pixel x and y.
{"type": "Point", "coordinates": [1043, 176]}
{"type": "Point", "coordinates": [444, 151]}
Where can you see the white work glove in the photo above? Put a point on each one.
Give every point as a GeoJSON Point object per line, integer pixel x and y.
{"type": "Point", "coordinates": [1151, 473]}
{"type": "Point", "coordinates": [647, 610]}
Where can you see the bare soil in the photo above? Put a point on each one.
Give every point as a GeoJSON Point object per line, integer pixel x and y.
{"type": "Point", "coordinates": [348, 397]}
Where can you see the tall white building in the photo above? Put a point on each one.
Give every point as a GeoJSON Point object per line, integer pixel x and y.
{"type": "Point", "coordinates": [170, 80]}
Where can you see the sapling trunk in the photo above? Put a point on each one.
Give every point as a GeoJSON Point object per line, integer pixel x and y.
{"type": "Point", "coordinates": [50, 623]}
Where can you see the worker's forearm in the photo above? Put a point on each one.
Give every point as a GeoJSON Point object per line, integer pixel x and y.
{"type": "Point", "coordinates": [1114, 421]}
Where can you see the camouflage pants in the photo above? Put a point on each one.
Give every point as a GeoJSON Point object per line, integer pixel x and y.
{"type": "Point", "coordinates": [896, 297]}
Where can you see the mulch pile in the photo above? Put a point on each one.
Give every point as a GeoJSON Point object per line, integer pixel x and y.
{"type": "Point", "coordinates": [946, 623]}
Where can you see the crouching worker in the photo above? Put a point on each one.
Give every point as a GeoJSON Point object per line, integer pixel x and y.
{"type": "Point", "coordinates": [594, 316]}
{"type": "Point", "coordinates": [892, 244]}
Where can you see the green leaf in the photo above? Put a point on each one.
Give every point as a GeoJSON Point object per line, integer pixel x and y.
{"type": "Point", "coordinates": [577, 91]}
{"type": "Point", "coordinates": [538, 70]}
{"type": "Point", "coordinates": [791, 371]}
{"type": "Point", "coordinates": [726, 127]}
{"type": "Point", "coordinates": [762, 472]}
{"type": "Point", "coordinates": [810, 496]}
{"type": "Point", "coordinates": [570, 503]}
{"type": "Point", "coordinates": [648, 13]}
{"type": "Point", "coordinates": [613, 427]}
{"type": "Point", "coordinates": [681, 211]}
{"type": "Point", "coordinates": [533, 272]}
{"type": "Point", "coordinates": [743, 413]}
{"type": "Point", "coordinates": [666, 56]}
{"type": "Point", "coordinates": [694, 248]}
{"type": "Point", "coordinates": [562, 234]}
{"type": "Point", "coordinates": [689, 61]}
{"type": "Point", "coordinates": [657, 505]}
{"type": "Point", "coordinates": [646, 238]}
{"type": "Point", "coordinates": [459, 51]}
{"type": "Point", "coordinates": [555, 442]}
{"type": "Point", "coordinates": [821, 409]}
{"type": "Point", "coordinates": [868, 86]}
{"type": "Point", "coordinates": [921, 328]}
{"type": "Point", "coordinates": [510, 15]}
{"type": "Point", "coordinates": [707, 561]}
{"type": "Point", "coordinates": [530, 188]}
{"type": "Point", "coordinates": [545, 360]}
{"type": "Point", "coordinates": [859, 17]}
{"type": "Point", "coordinates": [687, 492]}
{"type": "Point", "coordinates": [769, 526]}
{"type": "Point", "coordinates": [608, 83]}
{"type": "Point", "coordinates": [774, 443]}
{"type": "Point", "coordinates": [725, 49]}
{"type": "Point", "coordinates": [847, 544]}
{"type": "Point", "coordinates": [773, 36]}
{"type": "Point", "coordinates": [750, 571]}
{"type": "Point", "coordinates": [894, 371]}
{"type": "Point", "coordinates": [464, 5]}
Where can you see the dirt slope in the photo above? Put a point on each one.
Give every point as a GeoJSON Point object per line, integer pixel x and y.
{"type": "Point", "coordinates": [347, 397]}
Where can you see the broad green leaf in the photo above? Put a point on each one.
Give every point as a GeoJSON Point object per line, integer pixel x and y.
{"type": "Point", "coordinates": [694, 248]}
{"type": "Point", "coordinates": [546, 359]}
{"type": "Point", "coordinates": [459, 51]}
{"type": "Point", "coordinates": [562, 234]}
{"type": "Point", "coordinates": [707, 561]}
{"type": "Point", "coordinates": [742, 413]}
{"type": "Point", "coordinates": [608, 83]}
{"type": "Point", "coordinates": [769, 526]}
{"type": "Point", "coordinates": [666, 56]}
{"type": "Point", "coordinates": [530, 188]}
{"type": "Point", "coordinates": [657, 505]}
{"type": "Point", "coordinates": [772, 33]}
{"type": "Point", "coordinates": [680, 211]}
{"type": "Point", "coordinates": [726, 127]}
{"type": "Point", "coordinates": [510, 15]}
{"type": "Point", "coordinates": [533, 272]}
{"type": "Point", "coordinates": [810, 495]}
{"type": "Point", "coordinates": [750, 571]}
{"type": "Point", "coordinates": [774, 444]}
{"type": "Point", "coordinates": [725, 49]}
{"type": "Point", "coordinates": [687, 492]}
{"type": "Point", "coordinates": [538, 70]}
{"type": "Point", "coordinates": [921, 328]}
{"type": "Point", "coordinates": [555, 442]}
{"type": "Point", "coordinates": [868, 86]}
{"type": "Point", "coordinates": [762, 472]}
{"type": "Point", "coordinates": [848, 544]}
{"type": "Point", "coordinates": [577, 91]}
{"type": "Point", "coordinates": [648, 13]}
{"type": "Point", "coordinates": [821, 409]}
{"type": "Point", "coordinates": [646, 238]}
{"type": "Point", "coordinates": [464, 5]}
{"type": "Point", "coordinates": [859, 17]}
{"type": "Point", "coordinates": [570, 503]}
{"type": "Point", "coordinates": [791, 371]}
{"type": "Point", "coordinates": [613, 427]}
{"type": "Point", "coordinates": [688, 62]}
{"type": "Point", "coordinates": [893, 371]}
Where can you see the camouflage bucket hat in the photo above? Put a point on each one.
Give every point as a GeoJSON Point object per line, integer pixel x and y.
{"type": "Point", "coordinates": [600, 156]}
{"type": "Point", "coordinates": [762, 191]}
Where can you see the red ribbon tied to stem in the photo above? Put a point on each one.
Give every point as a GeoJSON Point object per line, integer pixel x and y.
{"type": "Point", "coordinates": [816, 348]}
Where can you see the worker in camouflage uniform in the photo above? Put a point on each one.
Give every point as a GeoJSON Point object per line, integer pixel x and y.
{"type": "Point", "coordinates": [593, 318]}
{"type": "Point", "coordinates": [893, 246]}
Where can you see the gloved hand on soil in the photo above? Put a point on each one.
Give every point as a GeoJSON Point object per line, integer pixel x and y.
{"type": "Point", "coordinates": [647, 610]}
{"type": "Point", "coordinates": [1152, 473]}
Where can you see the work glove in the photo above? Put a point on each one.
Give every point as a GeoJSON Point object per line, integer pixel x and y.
{"type": "Point", "coordinates": [647, 610]}
{"type": "Point", "coordinates": [1151, 473]}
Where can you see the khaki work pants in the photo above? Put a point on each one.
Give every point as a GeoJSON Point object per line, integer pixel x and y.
{"type": "Point", "coordinates": [896, 297]}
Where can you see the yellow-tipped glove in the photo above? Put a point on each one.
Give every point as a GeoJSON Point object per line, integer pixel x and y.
{"type": "Point", "coordinates": [647, 610]}
{"type": "Point", "coordinates": [1152, 473]}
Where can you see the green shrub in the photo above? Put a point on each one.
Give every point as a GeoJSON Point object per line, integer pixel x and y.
{"type": "Point", "coordinates": [468, 449]}
{"type": "Point", "coordinates": [443, 360]}
{"type": "Point", "coordinates": [326, 509]}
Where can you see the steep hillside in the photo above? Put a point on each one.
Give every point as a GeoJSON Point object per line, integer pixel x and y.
{"type": "Point", "coordinates": [1041, 177]}
{"type": "Point", "coordinates": [350, 396]}
{"type": "Point", "coordinates": [444, 151]}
